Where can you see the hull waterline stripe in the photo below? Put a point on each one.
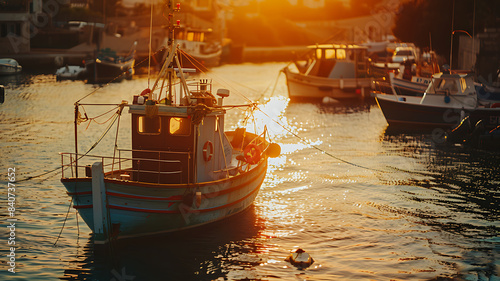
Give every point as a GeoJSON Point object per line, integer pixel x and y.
{"type": "Point", "coordinates": [209, 195]}
{"type": "Point", "coordinates": [188, 210]}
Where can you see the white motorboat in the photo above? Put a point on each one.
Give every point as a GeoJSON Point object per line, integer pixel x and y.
{"type": "Point", "coordinates": [9, 66]}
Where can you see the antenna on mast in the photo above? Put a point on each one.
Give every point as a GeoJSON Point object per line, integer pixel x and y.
{"type": "Point", "coordinates": [452, 32]}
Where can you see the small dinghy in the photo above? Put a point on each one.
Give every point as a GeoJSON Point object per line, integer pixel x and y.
{"type": "Point", "coordinates": [71, 72]}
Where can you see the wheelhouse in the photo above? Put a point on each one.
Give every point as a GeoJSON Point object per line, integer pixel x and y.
{"type": "Point", "coordinates": [338, 61]}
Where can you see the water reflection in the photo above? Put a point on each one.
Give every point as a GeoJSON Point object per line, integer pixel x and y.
{"type": "Point", "coordinates": [14, 80]}
{"type": "Point", "coordinates": [347, 107]}
{"type": "Point", "coordinates": [430, 213]}
{"type": "Point", "coordinates": [457, 199]}
{"type": "Point", "coordinates": [204, 253]}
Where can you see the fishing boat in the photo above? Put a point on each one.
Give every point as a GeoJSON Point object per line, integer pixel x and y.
{"type": "Point", "coordinates": [183, 169]}
{"type": "Point", "coordinates": [411, 79]}
{"type": "Point", "coordinates": [449, 98]}
{"type": "Point", "coordinates": [415, 75]}
{"type": "Point", "coordinates": [337, 71]}
{"type": "Point", "coordinates": [415, 86]}
{"type": "Point", "coordinates": [196, 51]}
{"type": "Point", "coordinates": [109, 67]}
{"type": "Point", "coordinates": [9, 66]}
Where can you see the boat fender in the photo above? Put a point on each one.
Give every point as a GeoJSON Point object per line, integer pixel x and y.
{"type": "Point", "coordinates": [2, 94]}
{"type": "Point", "coordinates": [208, 151]}
{"type": "Point", "coordinates": [300, 259]}
{"type": "Point", "coordinates": [273, 150]}
{"type": "Point", "coordinates": [447, 98]}
{"type": "Point", "coordinates": [198, 199]}
{"type": "Point", "coordinates": [252, 154]}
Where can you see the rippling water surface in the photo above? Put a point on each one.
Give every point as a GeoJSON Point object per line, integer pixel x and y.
{"type": "Point", "coordinates": [366, 202]}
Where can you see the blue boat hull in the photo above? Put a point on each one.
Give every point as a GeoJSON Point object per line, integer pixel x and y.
{"type": "Point", "coordinates": [400, 113]}
{"type": "Point", "coordinates": [138, 209]}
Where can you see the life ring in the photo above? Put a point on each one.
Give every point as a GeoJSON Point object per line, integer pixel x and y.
{"type": "Point", "coordinates": [252, 154]}
{"type": "Point", "coordinates": [208, 151]}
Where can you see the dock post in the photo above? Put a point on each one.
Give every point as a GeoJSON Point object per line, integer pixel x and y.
{"type": "Point", "coordinates": [100, 211]}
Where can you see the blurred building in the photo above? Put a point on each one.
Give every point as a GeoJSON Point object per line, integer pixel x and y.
{"type": "Point", "coordinates": [18, 19]}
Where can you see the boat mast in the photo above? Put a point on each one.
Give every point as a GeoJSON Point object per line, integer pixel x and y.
{"type": "Point", "coordinates": [168, 69]}
{"type": "Point", "coordinates": [170, 45]}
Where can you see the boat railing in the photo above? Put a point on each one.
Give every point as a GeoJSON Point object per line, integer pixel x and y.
{"type": "Point", "coordinates": [122, 167]}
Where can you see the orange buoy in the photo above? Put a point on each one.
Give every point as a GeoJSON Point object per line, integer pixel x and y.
{"type": "Point", "coordinates": [273, 150]}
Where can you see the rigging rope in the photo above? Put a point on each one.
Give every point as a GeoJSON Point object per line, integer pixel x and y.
{"type": "Point", "coordinates": [318, 148]}
{"type": "Point", "coordinates": [326, 152]}
{"type": "Point", "coordinates": [194, 62]}
{"type": "Point", "coordinates": [116, 116]}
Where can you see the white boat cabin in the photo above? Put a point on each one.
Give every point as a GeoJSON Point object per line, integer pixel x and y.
{"type": "Point", "coordinates": [452, 90]}
{"type": "Point", "coordinates": [338, 61]}
{"type": "Point", "coordinates": [454, 84]}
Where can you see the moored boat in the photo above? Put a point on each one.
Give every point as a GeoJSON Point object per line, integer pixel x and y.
{"type": "Point", "coordinates": [448, 99]}
{"type": "Point", "coordinates": [337, 71]}
{"type": "Point", "coordinates": [71, 72]}
{"type": "Point", "coordinates": [183, 169]}
{"type": "Point", "coordinates": [9, 66]}
{"type": "Point", "coordinates": [110, 67]}
{"type": "Point", "coordinates": [197, 52]}
{"type": "Point", "coordinates": [107, 70]}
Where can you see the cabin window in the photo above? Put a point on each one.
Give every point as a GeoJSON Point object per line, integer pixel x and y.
{"type": "Point", "coordinates": [179, 126]}
{"type": "Point", "coordinates": [447, 84]}
{"type": "Point", "coordinates": [319, 53]}
{"type": "Point", "coordinates": [149, 126]}
{"type": "Point", "coordinates": [341, 55]}
{"type": "Point", "coordinates": [330, 54]}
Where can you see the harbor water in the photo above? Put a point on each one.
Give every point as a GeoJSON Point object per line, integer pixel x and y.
{"type": "Point", "coordinates": [367, 202]}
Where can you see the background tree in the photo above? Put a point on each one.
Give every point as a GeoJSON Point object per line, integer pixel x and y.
{"type": "Point", "coordinates": [420, 21]}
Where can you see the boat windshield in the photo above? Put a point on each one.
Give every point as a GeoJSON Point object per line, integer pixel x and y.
{"type": "Point", "coordinates": [443, 84]}
{"type": "Point", "coordinates": [404, 53]}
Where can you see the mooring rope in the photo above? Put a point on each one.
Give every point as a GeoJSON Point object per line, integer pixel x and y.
{"type": "Point", "coordinates": [64, 222]}
{"type": "Point", "coordinates": [326, 152]}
